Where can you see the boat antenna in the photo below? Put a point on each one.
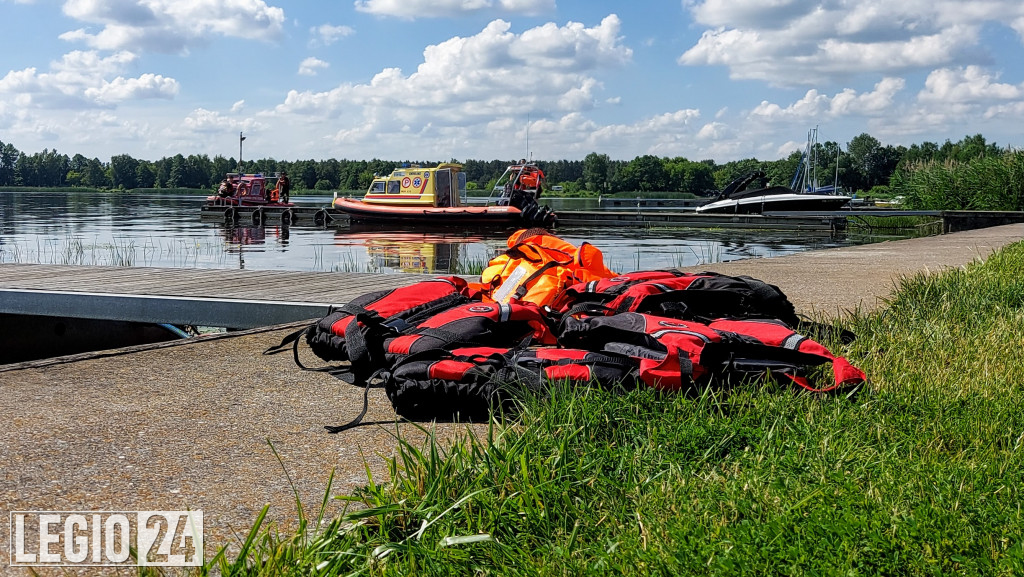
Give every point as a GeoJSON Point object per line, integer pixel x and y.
{"type": "Point", "coordinates": [240, 139]}
{"type": "Point", "coordinates": [528, 154]}
{"type": "Point", "coordinates": [835, 185]}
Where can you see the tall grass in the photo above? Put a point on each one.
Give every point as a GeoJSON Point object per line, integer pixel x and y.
{"type": "Point", "coordinates": [125, 252]}
{"type": "Point", "coordinates": [986, 183]}
{"type": "Point", "coordinates": [919, 473]}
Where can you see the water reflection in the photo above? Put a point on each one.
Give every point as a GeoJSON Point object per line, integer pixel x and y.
{"type": "Point", "coordinates": [166, 231]}
{"type": "Point", "coordinates": [414, 252]}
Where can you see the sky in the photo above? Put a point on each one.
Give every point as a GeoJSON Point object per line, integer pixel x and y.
{"type": "Point", "coordinates": [504, 79]}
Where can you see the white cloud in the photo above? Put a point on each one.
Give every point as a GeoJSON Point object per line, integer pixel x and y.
{"type": "Point", "coordinates": [145, 86]}
{"type": "Point", "coordinates": [967, 85]}
{"type": "Point", "coordinates": [310, 66]}
{"type": "Point", "coordinates": [327, 34]}
{"type": "Point", "coordinates": [209, 121]}
{"type": "Point", "coordinates": [528, 6]}
{"type": "Point", "coordinates": [79, 80]}
{"type": "Point", "coordinates": [413, 9]}
{"type": "Point", "coordinates": [492, 74]}
{"type": "Point", "coordinates": [815, 106]}
{"type": "Point", "coordinates": [170, 25]}
{"type": "Point", "coordinates": [793, 42]}
{"type": "Point", "coordinates": [714, 131]}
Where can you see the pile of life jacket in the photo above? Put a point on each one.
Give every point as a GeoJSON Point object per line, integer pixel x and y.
{"type": "Point", "coordinates": [547, 310]}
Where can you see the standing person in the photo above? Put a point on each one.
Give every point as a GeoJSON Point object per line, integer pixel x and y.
{"type": "Point", "coordinates": [226, 189]}
{"type": "Point", "coordinates": [284, 186]}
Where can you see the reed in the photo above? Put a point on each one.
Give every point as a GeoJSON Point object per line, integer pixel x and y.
{"type": "Point", "coordinates": [986, 183]}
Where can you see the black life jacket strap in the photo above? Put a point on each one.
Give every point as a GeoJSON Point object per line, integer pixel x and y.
{"type": "Point", "coordinates": [522, 289]}
{"type": "Point", "coordinates": [588, 308]}
{"type": "Point", "coordinates": [287, 340]}
{"type": "Point", "coordinates": [293, 339]}
{"type": "Point", "coordinates": [359, 418]}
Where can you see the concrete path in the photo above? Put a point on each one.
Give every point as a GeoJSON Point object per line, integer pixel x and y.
{"type": "Point", "coordinates": [187, 426]}
{"type": "Point", "coordinates": [837, 280]}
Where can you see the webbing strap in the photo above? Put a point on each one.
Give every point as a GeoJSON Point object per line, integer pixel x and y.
{"type": "Point", "coordinates": [359, 418]}
{"type": "Point", "coordinates": [523, 289]}
{"type": "Point", "coordinates": [293, 340]}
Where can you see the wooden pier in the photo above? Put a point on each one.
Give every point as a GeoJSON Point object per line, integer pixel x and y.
{"type": "Point", "coordinates": [211, 297]}
{"type": "Point", "coordinates": [641, 218]}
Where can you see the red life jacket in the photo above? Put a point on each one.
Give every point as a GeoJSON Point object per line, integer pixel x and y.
{"type": "Point", "coordinates": [475, 323]}
{"type": "Point", "coordinates": [701, 296]}
{"type": "Point", "coordinates": [674, 353]}
{"type": "Point", "coordinates": [469, 383]}
{"type": "Point", "coordinates": [356, 331]}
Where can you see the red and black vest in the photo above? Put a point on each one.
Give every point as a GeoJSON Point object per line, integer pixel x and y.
{"type": "Point", "coordinates": [675, 353]}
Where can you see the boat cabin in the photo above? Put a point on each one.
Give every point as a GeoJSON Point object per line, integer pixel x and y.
{"type": "Point", "coordinates": [443, 186]}
{"type": "Point", "coordinates": [246, 189]}
{"type": "Point", "coordinates": [523, 178]}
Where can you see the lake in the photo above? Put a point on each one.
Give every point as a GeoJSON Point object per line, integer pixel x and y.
{"type": "Point", "coordinates": [165, 230]}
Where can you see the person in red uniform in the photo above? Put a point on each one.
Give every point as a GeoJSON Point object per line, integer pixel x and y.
{"type": "Point", "coordinates": [284, 186]}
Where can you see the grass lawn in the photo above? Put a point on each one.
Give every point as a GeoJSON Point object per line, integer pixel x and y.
{"type": "Point", "coordinates": [918, 473]}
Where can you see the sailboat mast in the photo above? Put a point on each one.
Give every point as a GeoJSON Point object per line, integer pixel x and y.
{"type": "Point", "coordinates": [835, 185]}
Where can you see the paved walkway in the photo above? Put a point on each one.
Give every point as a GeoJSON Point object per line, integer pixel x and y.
{"type": "Point", "coordinates": [187, 426]}
{"type": "Point", "coordinates": [836, 280]}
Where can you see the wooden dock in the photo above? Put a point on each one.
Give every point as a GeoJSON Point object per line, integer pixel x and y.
{"type": "Point", "coordinates": [212, 297]}
{"type": "Point", "coordinates": [304, 286]}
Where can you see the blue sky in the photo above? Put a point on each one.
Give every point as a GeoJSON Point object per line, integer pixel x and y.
{"type": "Point", "coordinates": [443, 79]}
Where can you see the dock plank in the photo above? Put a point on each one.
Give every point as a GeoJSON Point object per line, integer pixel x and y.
{"type": "Point", "coordinates": [298, 286]}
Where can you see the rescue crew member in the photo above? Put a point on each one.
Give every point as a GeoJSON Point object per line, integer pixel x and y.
{"type": "Point", "coordinates": [226, 188]}
{"type": "Point", "coordinates": [284, 186]}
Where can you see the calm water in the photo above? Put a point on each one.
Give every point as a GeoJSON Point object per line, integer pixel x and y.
{"type": "Point", "coordinates": [166, 231]}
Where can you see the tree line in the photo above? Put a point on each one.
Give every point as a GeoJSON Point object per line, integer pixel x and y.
{"type": "Point", "coordinates": [865, 166]}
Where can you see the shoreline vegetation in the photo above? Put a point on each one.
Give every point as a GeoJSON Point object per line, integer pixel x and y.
{"type": "Point", "coordinates": [971, 174]}
{"type": "Point", "coordinates": [920, 472]}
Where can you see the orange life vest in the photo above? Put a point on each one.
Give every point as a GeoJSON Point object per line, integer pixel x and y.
{"type": "Point", "coordinates": [538, 267]}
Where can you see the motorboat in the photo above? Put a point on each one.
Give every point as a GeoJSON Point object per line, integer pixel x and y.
{"type": "Point", "coordinates": [737, 199]}
{"type": "Point", "coordinates": [252, 190]}
{"type": "Point", "coordinates": [804, 194]}
{"type": "Point", "coordinates": [437, 196]}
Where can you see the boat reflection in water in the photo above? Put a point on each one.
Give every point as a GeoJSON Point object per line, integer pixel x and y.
{"type": "Point", "coordinates": [243, 240]}
{"type": "Point", "coordinates": [413, 252]}
{"type": "Point", "coordinates": [238, 236]}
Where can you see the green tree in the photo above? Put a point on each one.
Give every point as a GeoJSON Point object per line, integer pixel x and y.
{"type": "Point", "coordinates": [94, 174]}
{"type": "Point", "coordinates": [870, 163]}
{"type": "Point", "coordinates": [8, 160]}
{"type": "Point", "coordinates": [644, 173]}
{"type": "Point", "coordinates": [176, 175]}
{"type": "Point", "coordinates": [690, 177]}
{"type": "Point", "coordinates": [145, 175]}
{"type": "Point", "coordinates": [595, 171]}
{"type": "Point", "coordinates": [730, 171]}
{"type": "Point", "coordinates": [123, 171]}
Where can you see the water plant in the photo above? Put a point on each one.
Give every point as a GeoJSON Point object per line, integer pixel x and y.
{"type": "Point", "coordinates": [985, 183]}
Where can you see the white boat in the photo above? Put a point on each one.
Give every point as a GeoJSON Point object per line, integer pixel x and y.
{"type": "Point", "coordinates": [775, 198]}
{"type": "Point", "coordinates": [809, 197]}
